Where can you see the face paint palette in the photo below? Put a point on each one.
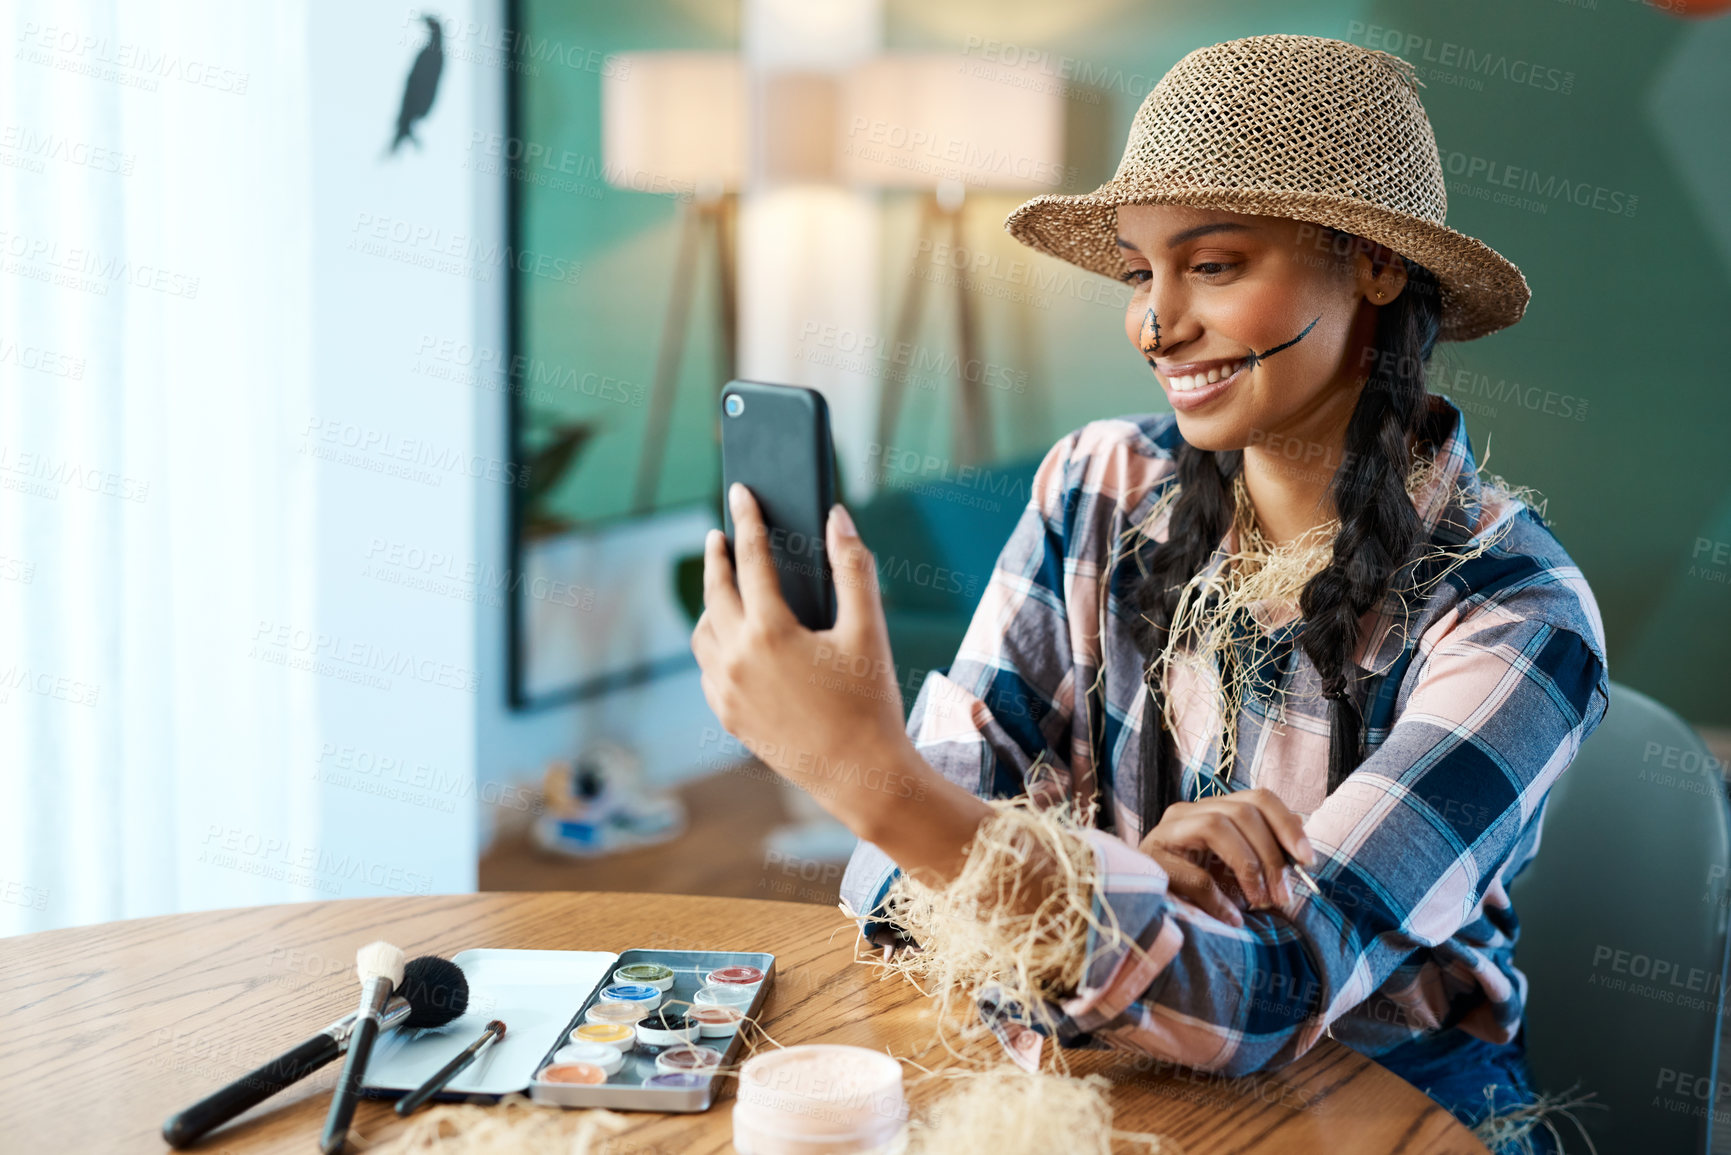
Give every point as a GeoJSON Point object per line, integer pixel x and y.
{"type": "Point", "coordinates": [544, 996]}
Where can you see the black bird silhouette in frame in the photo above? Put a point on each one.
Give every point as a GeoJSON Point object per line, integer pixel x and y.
{"type": "Point", "coordinates": [422, 86]}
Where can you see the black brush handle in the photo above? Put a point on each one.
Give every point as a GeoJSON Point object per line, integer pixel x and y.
{"type": "Point", "coordinates": [250, 1090]}
{"type": "Point", "coordinates": [348, 1093]}
{"type": "Point", "coordinates": [413, 1100]}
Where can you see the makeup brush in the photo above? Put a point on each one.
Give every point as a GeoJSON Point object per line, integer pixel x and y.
{"type": "Point", "coordinates": [380, 968]}
{"type": "Point", "coordinates": [408, 1103]}
{"type": "Point", "coordinates": [1302, 873]}
{"type": "Point", "coordinates": [434, 993]}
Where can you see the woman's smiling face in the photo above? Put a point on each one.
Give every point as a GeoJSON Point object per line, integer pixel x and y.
{"type": "Point", "coordinates": [1265, 305]}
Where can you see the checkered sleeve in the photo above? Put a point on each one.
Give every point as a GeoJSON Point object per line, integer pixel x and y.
{"type": "Point", "coordinates": [1007, 699]}
{"type": "Point", "coordinates": [1497, 703]}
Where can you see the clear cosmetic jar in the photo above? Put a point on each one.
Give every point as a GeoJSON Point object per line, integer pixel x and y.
{"type": "Point", "coordinates": [820, 1099]}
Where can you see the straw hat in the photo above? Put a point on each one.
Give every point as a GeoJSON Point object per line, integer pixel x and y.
{"type": "Point", "coordinates": [1291, 126]}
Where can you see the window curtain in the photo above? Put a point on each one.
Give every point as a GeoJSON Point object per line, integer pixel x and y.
{"type": "Point", "coordinates": [155, 513]}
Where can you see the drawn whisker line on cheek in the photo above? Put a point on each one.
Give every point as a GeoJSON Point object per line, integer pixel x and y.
{"type": "Point", "coordinates": [1255, 357]}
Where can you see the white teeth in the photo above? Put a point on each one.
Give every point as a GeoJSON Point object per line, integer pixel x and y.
{"type": "Point", "coordinates": [1198, 380]}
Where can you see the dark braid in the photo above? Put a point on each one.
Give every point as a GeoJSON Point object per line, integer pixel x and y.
{"type": "Point", "coordinates": [1378, 534]}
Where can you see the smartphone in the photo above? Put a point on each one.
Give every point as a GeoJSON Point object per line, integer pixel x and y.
{"type": "Point", "coordinates": [775, 441]}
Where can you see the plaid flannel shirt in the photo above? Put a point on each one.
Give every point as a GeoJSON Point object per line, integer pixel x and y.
{"type": "Point", "coordinates": [1476, 698]}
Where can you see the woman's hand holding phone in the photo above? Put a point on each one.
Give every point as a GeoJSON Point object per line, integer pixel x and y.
{"type": "Point", "coordinates": [821, 707]}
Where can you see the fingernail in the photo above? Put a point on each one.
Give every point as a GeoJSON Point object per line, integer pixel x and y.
{"type": "Point", "coordinates": [1237, 919]}
{"type": "Point", "coordinates": [735, 494]}
{"type": "Point", "coordinates": [843, 521]}
{"type": "Point", "coordinates": [1306, 852]}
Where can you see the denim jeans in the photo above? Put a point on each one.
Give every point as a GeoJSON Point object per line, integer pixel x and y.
{"type": "Point", "coordinates": [1453, 1068]}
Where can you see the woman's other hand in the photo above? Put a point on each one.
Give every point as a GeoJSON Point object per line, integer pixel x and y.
{"type": "Point", "coordinates": [822, 708]}
{"type": "Point", "coordinates": [1239, 835]}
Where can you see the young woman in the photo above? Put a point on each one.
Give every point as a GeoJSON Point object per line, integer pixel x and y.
{"type": "Point", "coordinates": [1286, 621]}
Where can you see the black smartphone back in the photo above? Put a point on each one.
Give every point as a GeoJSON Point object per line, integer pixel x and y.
{"type": "Point", "coordinates": [775, 441]}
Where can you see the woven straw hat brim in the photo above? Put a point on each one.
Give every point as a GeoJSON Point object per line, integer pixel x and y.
{"type": "Point", "coordinates": [1481, 290]}
{"type": "Point", "coordinates": [1303, 127]}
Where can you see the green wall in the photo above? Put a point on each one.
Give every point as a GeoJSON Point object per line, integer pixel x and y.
{"type": "Point", "coordinates": [1611, 397]}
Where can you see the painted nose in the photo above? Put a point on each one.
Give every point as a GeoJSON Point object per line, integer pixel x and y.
{"type": "Point", "coordinates": [1149, 338]}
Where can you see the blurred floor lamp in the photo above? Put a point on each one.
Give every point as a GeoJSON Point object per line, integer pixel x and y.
{"type": "Point", "coordinates": [675, 122]}
{"type": "Point", "coordinates": [926, 122]}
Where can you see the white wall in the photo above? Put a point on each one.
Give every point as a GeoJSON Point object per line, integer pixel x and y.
{"type": "Point", "coordinates": [397, 261]}
{"type": "Point", "coordinates": [379, 224]}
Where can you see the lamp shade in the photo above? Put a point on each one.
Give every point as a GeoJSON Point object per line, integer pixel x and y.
{"type": "Point", "coordinates": [672, 121]}
{"type": "Point", "coordinates": [916, 121]}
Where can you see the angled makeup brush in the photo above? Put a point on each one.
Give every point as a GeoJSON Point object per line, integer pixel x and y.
{"type": "Point", "coordinates": [408, 1103]}
{"type": "Point", "coordinates": [380, 967]}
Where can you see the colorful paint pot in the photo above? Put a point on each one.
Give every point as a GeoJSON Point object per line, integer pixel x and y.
{"type": "Point", "coordinates": [676, 1081]}
{"type": "Point", "coordinates": [695, 1060]}
{"type": "Point", "coordinates": [667, 1028]}
{"type": "Point", "coordinates": [608, 1058]}
{"type": "Point", "coordinates": [614, 1011]}
{"type": "Point", "coordinates": [713, 1022]}
{"type": "Point", "coordinates": [616, 1035]}
{"type": "Point", "coordinates": [582, 1073]}
{"type": "Point", "coordinates": [646, 974]}
{"type": "Point", "coordinates": [740, 976]}
{"type": "Point", "coordinates": [645, 996]}
{"type": "Point", "coordinates": [724, 995]}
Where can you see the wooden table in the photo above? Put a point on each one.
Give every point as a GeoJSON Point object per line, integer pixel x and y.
{"type": "Point", "coordinates": [109, 1029]}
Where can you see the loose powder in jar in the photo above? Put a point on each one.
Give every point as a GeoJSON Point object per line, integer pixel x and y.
{"type": "Point", "coordinates": [820, 1097]}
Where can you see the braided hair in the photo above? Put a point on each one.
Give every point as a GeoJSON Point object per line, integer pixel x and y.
{"type": "Point", "coordinates": [1378, 534]}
